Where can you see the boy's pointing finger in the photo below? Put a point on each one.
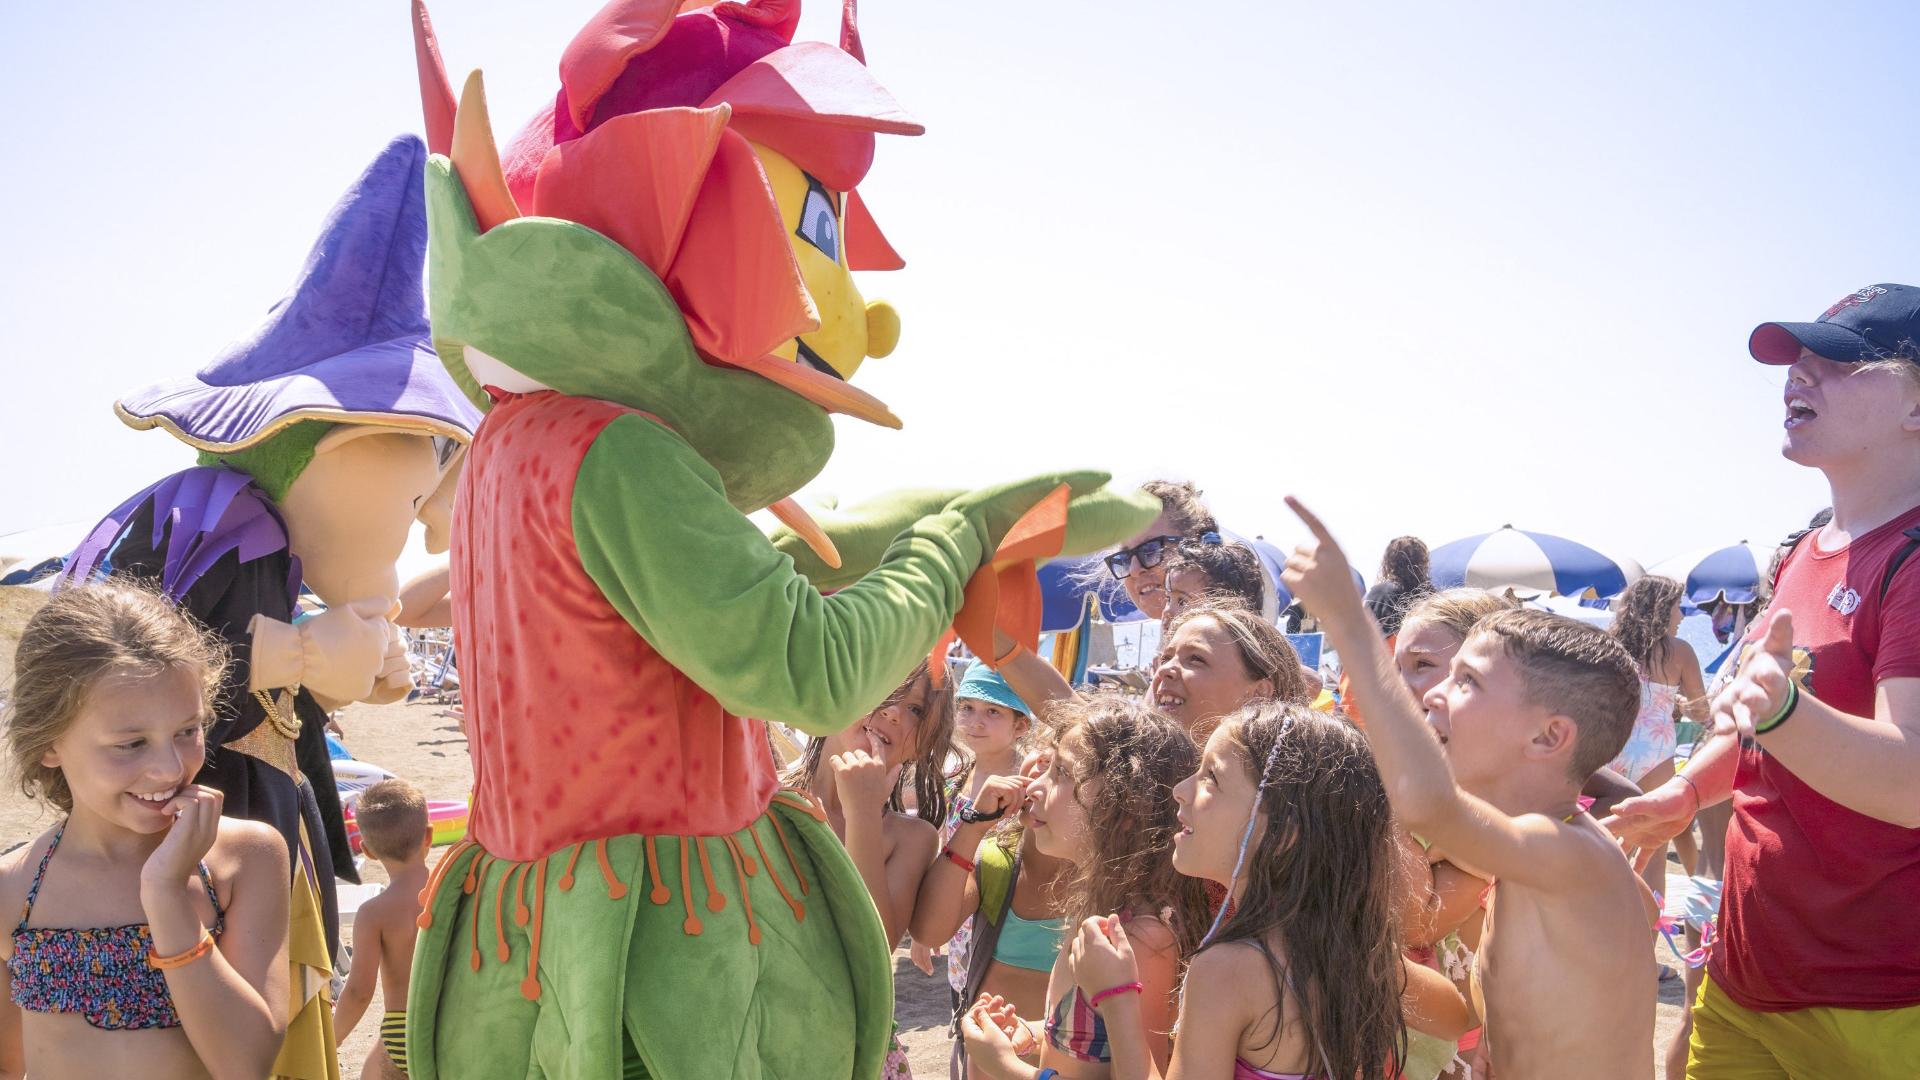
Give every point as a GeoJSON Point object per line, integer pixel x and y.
{"type": "Point", "coordinates": [1312, 522]}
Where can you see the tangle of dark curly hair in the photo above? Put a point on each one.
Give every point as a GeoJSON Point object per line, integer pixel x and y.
{"type": "Point", "coordinates": [1406, 564]}
{"type": "Point", "coordinates": [1232, 569]}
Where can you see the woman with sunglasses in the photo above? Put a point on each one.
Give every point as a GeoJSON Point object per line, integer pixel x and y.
{"type": "Point", "coordinates": [1139, 564]}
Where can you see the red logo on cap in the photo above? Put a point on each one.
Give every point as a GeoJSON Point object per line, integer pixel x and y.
{"type": "Point", "coordinates": [1858, 297]}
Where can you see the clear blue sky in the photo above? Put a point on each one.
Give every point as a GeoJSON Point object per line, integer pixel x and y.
{"type": "Point", "coordinates": [1434, 267]}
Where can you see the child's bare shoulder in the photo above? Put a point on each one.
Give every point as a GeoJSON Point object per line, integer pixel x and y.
{"type": "Point", "coordinates": [247, 849]}
{"type": "Point", "coordinates": [910, 830]}
{"type": "Point", "coordinates": [1589, 853]}
{"type": "Point", "coordinates": [377, 911]}
{"type": "Point", "coordinates": [1151, 933]}
{"type": "Point", "coordinates": [16, 870]}
{"type": "Point", "coordinates": [16, 877]}
{"type": "Point", "coordinates": [1237, 961]}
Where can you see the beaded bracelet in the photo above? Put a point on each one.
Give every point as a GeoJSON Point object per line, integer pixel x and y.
{"type": "Point", "coordinates": [957, 859]}
{"type": "Point", "coordinates": [1786, 710]}
{"type": "Point", "coordinates": [170, 963]}
{"type": "Point", "coordinates": [1124, 988]}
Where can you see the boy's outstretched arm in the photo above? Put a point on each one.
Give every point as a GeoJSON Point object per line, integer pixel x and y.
{"type": "Point", "coordinates": [1419, 781]}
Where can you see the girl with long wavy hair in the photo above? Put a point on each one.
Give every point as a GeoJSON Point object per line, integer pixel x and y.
{"type": "Point", "coordinates": [1103, 805]}
{"type": "Point", "coordinates": [1302, 975]}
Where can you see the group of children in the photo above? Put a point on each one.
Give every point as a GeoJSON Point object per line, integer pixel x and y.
{"type": "Point", "coordinates": [1221, 879]}
{"type": "Point", "coordinates": [1218, 879]}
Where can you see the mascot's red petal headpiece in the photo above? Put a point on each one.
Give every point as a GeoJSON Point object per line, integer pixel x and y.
{"type": "Point", "coordinates": [646, 143]}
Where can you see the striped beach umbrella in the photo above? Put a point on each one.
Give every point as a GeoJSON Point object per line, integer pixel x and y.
{"type": "Point", "coordinates": [1529, 563]}
{"type": "Point", "coordinates": [1064, 585]}
{"type": "Point", "coordinates": [1732, 573]}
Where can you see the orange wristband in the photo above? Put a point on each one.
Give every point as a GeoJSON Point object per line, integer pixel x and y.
{"type": "Point", "coordinates": [170, 963]}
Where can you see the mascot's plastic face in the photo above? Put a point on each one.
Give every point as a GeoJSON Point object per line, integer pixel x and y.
{"type": "Point", "coordinates": [851, 329]}
{"type": "Point", "coordinates": [349, 512]}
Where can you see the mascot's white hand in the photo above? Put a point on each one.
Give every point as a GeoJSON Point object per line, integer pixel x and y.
{"type": "Point", "coordinates": [395, 680]}
{"type": "Point", "coordinates": [344, 648]}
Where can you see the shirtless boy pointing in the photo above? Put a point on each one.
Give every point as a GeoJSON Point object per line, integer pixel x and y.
{"type": "Point", "coordinates": [1533, 705]}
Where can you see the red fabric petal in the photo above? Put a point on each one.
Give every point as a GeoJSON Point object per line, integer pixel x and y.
{"type": "Point", "coordinates": [525, 154]}
{"type": "Point", "coordinates": [599, 52]}
{"type": "Point", "coordinates": [867, 247]}
{"type": "Point", "coordinates": [634, 178]}
{"type": "Point", "coordinates": [735, 276]}
{"type": "Point", "coordinates": [436, 93]}
{"type": "Point", "coordinates": [816, 105]}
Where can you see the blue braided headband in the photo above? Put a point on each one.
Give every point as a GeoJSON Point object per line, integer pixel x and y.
{"type": "Point", "coordinates": [1246, 835]}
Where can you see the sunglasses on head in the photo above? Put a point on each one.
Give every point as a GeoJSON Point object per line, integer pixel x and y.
{"type": "Point", "coordinates": [1147, 552]}
{"type": "Point", "coordinates": [1200, 543]}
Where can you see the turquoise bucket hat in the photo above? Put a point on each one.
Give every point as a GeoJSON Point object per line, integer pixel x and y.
{"type": "Point", "coordinates": [982, 683]}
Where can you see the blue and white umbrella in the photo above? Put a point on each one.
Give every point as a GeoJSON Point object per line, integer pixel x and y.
{"type": "Point", "coordinates": [1513, 560]}
{"type": "Point", "coordinates": [1731, 573]}
{"type": "Point", "coordinates": [1064, 585]}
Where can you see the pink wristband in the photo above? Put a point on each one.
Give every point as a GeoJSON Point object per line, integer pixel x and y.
{"type": "Point", "coordinates": [1124, 988]}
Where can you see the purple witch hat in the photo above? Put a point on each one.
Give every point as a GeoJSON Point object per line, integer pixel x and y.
{"type": "Point", "coordinates": [348, 344]}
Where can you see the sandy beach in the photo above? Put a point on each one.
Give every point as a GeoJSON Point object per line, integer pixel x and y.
{"type": "Point", "coordinates": [422, 742]}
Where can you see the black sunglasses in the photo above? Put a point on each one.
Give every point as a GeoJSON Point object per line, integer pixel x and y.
{"type": "Point", "coordinates": [1147, 552]}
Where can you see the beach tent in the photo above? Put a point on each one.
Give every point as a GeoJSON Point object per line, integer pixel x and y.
{"type": "Point", "coordinates": [1530, 564]}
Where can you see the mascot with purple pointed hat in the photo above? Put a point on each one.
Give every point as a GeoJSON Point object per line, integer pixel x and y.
{"type": "Point", "coordinates": [322, 438]}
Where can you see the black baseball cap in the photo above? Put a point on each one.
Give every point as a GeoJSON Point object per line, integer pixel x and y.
{"type": "Point", "coordinates": [1879, 322]}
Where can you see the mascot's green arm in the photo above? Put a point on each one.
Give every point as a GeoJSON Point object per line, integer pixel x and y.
{"type": "Point", "coordinates": [710, 594]}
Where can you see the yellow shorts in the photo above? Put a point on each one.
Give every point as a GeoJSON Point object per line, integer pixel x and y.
{"type": "Point", "coordinates": [1734, 1043]}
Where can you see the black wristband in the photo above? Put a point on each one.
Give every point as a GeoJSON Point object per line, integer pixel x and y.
{"type": "Point", "coordinates": [973, 817]}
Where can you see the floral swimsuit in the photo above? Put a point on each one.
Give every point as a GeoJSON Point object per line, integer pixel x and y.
{"type": "Point", "coordinates": [99, 972]}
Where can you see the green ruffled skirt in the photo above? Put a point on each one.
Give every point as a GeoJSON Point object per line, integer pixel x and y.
{"type": "Point", "coordinates": [746, 957]}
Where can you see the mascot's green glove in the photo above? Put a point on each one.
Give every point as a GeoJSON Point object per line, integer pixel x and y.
{"type": "Point", "coordinates": [1097, 517]}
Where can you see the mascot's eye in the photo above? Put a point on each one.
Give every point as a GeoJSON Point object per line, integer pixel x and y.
{"type": "Point", "coordinates": [820, 221]}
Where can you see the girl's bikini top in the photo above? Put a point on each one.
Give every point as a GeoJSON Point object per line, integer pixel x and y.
{"type": "Point", "coordinates": [101, 972]}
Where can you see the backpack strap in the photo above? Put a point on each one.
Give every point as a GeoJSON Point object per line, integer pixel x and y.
{"type": "Point", "coordinates": [996, 896]}
{"type": "Point", "coordinates": [1900, 559]}
{"type": "Point", "coordinates": [1780, 556]}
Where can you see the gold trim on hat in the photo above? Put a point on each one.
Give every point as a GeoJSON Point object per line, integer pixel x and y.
{"type": "Point", "coordinates": [402, 421]}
